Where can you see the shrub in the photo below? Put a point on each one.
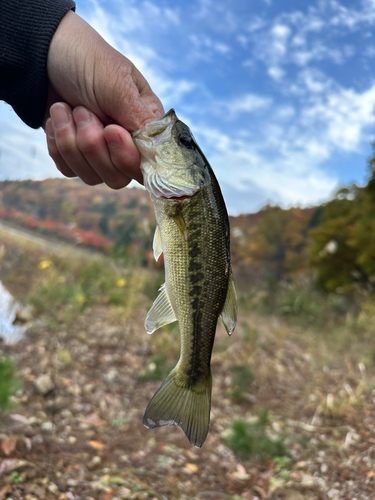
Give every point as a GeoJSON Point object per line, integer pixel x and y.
{"type": "Point", "coordinates": [251, 439]}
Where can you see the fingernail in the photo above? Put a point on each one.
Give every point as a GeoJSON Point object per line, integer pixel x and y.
{"type": "Point", "coordinates": [82, 117]}
{"type": "Point", "coordinates": [115, 140]}
{"type": "Point", "coordinates": [60, 116]}
{"type": "Point", "coordinates": [49, 129]}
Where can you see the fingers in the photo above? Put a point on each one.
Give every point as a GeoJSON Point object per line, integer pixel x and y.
{"type": "Point", "coordinates": [54, 152]}
{"type": "Point", "coordinates": [80, 146]}
{"type": "Point", "coordinates": [124, 155]}
{"type": "Point", "coordinates": [91, 143]}
{"type": "Point", "coordinates": [63, 148]}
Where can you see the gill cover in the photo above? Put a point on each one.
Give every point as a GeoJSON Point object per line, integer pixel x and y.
{"type": "Point", "coordinates": [170, 158]}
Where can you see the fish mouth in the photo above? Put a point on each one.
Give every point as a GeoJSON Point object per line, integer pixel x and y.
{"type": "Point", "coordinates": [157, 126]}
{"type": "Point", "coordinates": [176, 198]}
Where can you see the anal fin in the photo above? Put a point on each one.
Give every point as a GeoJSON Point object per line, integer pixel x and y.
{"type": "Point", "coordinates": [161, 312]}
{"type": "Point", "coordinates": [229, 312]}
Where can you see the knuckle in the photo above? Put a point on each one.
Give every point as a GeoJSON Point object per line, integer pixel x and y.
{"type": "Point", "coordinates": [88, 144]}
{"type": "Point", "coordinates": [66, 145]}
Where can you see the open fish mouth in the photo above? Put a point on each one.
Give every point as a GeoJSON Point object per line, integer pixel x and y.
{"type": "Point", "coordinates": [157, 126]}
{"type": "Point", "coordinates": [177, 198]}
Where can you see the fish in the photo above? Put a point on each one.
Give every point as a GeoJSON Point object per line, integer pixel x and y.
{"type": "Point", "coordinates": [192, 233]}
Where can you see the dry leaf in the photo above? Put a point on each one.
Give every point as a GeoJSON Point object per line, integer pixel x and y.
{"type": "Point", "coordinates": [94, 420]}
{"type": "Point", "coordinates": [19, 418]}
{"type": "Point", "coordinates": [97, 445]}
{"type": "Point", "coordinates": [370, 473]}
{"type": "Point", "coordinates": [192, 468]}
{"type": "Point", "coordinates": [11, 464]}
{"type": "Point", "coordinates": [28, 443]}
{"type": "Point", "coordinates": [8, 445]}
{"type": "Point", "coordinates": [4, 491]}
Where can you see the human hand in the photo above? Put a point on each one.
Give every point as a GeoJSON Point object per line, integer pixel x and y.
{"type": "Point", "coordinates": [93, 86]}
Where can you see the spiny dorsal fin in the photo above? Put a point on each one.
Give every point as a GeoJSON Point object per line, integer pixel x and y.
{"type": "Point", "coordinates": [157, 245]}
{"type": "Point", "coordinates": [229, 312]}
{"type": "Point", "coordinates": [161, 312]}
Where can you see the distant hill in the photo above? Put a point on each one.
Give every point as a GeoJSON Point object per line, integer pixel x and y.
{"type": "Point", "coordinates": [122, 222]}
{"type": "Point", "coordinates": [96, 217]}
{"type": "Point", "coordinates": [335, 240]}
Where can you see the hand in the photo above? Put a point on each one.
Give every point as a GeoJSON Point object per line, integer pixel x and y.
{"type": "Point", "coordinates": [93, 85]}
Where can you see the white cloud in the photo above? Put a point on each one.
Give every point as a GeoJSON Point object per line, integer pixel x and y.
{"type": "Point", "coordinates": [247, 103]}
{"type": "Point", "coordinates": [288, 179]}
{"type": "Point", "coordinates": [344, 116]}
{"type": "Point", "coordinates": [276, 73]}
{"type": "Point", "coordinates": [302, 37]}
{"type": "Point", "coordinates": [204, 44]}
{"type": "Point", "coordinates": [23, 151]}
{"type": "Point", "coordinates": [314, 81]}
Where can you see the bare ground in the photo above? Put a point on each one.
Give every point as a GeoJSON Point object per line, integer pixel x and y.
{"type": "Point", "coordinates": [84, 438]}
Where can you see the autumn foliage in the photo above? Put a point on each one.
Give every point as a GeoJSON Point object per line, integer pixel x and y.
{"type": "Point", "coordinates": [334, 242]}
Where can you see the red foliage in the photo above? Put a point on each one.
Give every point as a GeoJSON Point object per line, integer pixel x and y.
{"type": "Point", "coordinates": [91, 239]}
{"type": "Point", "coordinates": [30, 222]}
{"type": "Point", "coordinates": [5, 214]}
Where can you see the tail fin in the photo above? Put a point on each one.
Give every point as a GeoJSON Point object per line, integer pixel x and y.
{"type": "Point", "coordinates": [187, 407]}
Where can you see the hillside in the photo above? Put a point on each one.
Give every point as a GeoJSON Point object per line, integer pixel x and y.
{"type": "Point", "coordinates": [96, 217]}
{"type": "Point", "coordinates": [122, 223]}
{"type": "Point", "coordinates": [334, 243]}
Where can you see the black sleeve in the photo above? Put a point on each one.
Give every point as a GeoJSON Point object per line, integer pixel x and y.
{"type": "Point", "coordinates": [26, 30]}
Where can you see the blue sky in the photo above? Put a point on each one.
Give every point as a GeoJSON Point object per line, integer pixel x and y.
{"type": "Point", "coordinates": [279, 95]}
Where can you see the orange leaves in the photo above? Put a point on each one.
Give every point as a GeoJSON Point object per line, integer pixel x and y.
{"type": "Point", "coordinates": [8, 445]}
{"type": "Point", "coordinates": [97, 445]}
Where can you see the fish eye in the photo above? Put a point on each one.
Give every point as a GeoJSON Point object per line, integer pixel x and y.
{"type": "Point", "coordinates": [186, 141]}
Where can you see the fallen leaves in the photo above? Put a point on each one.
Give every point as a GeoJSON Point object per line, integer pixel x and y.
{"type": "Point", "coordinates": [12, 464]}
{"type": "Point", "coordinates": [8, 445]}
{"type": "Point", "coordinates": [94, 420]}
{"type": "Point", "coordinates": [4, 491]}
{"type": "Point", "coordinates": [97, 445]}
{"type": "Point", "coordinates": [191, 468]}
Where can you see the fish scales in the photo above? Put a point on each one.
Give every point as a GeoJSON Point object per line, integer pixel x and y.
{"type": "Point", "coordinates": [193, 234]}
{"type": "Point", "coordinates": [197, 272]}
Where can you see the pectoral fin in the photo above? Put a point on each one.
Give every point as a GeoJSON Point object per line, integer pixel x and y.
{"type": "Point", "coordinates": [161, 312]}
{"type": "Point", "coordinates": [229, 312]}
{"type": "Point", "coordinates": [156, 245]}
{"type": "Point", "coordinates": [179, 220]}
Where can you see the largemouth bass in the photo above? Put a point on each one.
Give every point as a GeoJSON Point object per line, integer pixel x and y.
{"type": "Point", "coordinates": [193, 235]}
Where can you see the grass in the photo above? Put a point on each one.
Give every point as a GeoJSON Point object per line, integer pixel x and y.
{"type": "Point", "coordinates": [157, 369]}
{"type": "Point", "coordinates": [9, 383]}
{"type": "Point", "coordinates": [242, 380]}
{"type": "Point", "coordinates": [250, 439]}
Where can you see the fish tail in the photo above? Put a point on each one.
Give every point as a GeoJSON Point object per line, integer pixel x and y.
{"type": "Point", "coordinates": [176, 403]}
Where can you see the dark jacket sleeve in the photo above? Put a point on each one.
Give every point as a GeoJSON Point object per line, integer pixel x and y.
{"type": "Point", "coordinates": [26, 30]}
